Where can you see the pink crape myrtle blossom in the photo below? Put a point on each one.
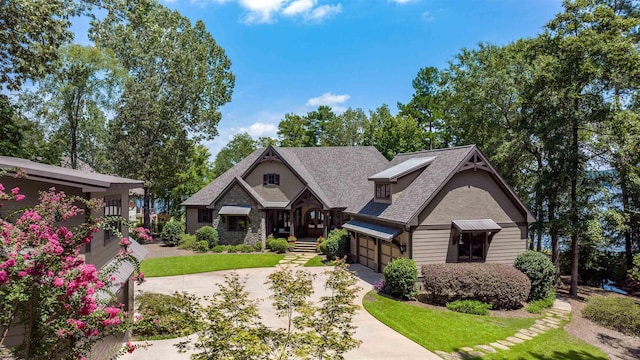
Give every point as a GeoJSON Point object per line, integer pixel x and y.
{"type": "Point", "coordinates": [47, 288]}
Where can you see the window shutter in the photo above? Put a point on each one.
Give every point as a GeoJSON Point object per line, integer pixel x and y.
{"type": "Point", "coordinates": [277, 179]}
{"type": "Point", "coordinates": [265, 179]}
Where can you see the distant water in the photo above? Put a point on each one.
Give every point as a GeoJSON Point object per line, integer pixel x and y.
{"type": "Point", "coordinates": [609, 286]}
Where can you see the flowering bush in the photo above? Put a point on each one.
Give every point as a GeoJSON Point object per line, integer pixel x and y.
{"type": "Point", "coordinates": [45, 286]}
{"type": "Point", "coordinates": [141, 235]}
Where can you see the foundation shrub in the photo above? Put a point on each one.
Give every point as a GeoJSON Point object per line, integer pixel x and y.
{"type": "Point", "coordinates": [171, 233]}
{"type": "Point", "coordinates": [614, 312]}
{"type": "Point", "coordinates": [323, 247]}
{"type": "Point", "coordinates": [337, 244]}
{"type": "Point", "coordinates": [501, 285]}
{"type": "Point", "coordinates": [400, 278]}
{"type": "Point", "coordinates": [474, 307]}
{"type": "Point", "coordinates": [219, 248]}
{"type": "Point", "coordinates": [208, 234]}
{"type": "Point", "coordinates": [279, 246]}
{"type": "Point", "coordinates": [257, 246]}
{"type": "Point", "coordinates": [244, 248]}
{"type": "Point", "coordinates": [201, 246]}
{"type": "Point", "coordinates": [187, 242]}
{"type": "Point", "coordinates": [540, 271]}
{"type": "Point", "coordinates": [267, 243]}
{"type": "Point", "coordinates": [231, 249]}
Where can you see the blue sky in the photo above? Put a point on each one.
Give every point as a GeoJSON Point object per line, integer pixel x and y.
{"type": "Point", "coordinates": [294, 55]}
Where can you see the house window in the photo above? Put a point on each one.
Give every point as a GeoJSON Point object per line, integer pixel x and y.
{"type": "Point", "coordinates": [471, 247]}
{"type": "Point", "coordinates": [236, 223]}
{"type": "Point", "coordinates": [112, 211]}
{"type": "Point", "coordinates": [383, 191]}
{"type": "Point", "coordinates": [204, 216]}
{"type": "Point", "coordinates": [271, 179]}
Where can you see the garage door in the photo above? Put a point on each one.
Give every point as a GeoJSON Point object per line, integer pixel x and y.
{"type": "Point", "coordinates": [388, 252]}
{"type": "Point", "coordinates": [366, 251]}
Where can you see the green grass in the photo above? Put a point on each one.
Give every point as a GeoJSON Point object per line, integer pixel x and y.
{"type": "Point", "coordinates": [181, 265]}
{"type": "Point", "coordinates": [553, 344]}
{"type": "Point", "coordinates": [441, 329]}
{"type": "Point", "coordinates": [317, 261]}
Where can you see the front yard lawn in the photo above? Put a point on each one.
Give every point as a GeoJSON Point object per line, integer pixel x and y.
{"type": "Point", "coordinates": [450, 331]}
{"type": "Point", "coordinates": [181, 265]}
{"type": "Point", "coordinates": [439, 329]}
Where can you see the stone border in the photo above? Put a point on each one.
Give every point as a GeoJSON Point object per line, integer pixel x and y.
{"type": "Point", "coordinates": [551, 320]}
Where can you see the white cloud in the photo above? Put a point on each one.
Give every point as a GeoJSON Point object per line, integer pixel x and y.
{"type": "Point", "coordinates": [299, 6]}
{"type": "Point", "coordinates": [328, 99]}
{"type": "Point", "coordinates": [268, 11]}
{"type": "Point", "coordinates": [325, 11]}
{"type": "Point", "coordinates": [258, 129]}
{"type": "Point", "coordinates": [426, 16]}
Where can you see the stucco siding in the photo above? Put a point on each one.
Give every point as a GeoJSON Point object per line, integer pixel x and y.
{"type": "Point", "coordinates": [433, 247]}
{"type": "Point", "coordinates": [506, 245]}
{"type": "Point", "coordinates": [289, 186]}
{"type": "Point", "coordinates": [471, 195]}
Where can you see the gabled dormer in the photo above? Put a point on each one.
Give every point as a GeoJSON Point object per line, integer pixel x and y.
{"type": "Point", "coordinates": [390, 182]}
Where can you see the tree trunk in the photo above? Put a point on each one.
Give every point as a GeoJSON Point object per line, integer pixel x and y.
{"type": "Point", "coordinates": [147, 208]}
{"type": "Point", "coordinates": [553, 232]}
{"type": "Point", "coordinates": [573, 216]}
{"type": "Point", "coordinates": [627, 230]}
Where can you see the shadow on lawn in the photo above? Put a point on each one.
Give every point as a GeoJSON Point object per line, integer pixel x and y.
{"type": "Point", "coordinates": [568, 355]}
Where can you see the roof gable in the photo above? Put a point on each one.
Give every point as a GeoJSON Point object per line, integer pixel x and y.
{"type": "Point", "coordinates": [415, 198]}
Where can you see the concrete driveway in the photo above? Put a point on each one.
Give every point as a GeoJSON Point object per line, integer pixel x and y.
{"type": "Point", "coordinates": [378, 340]}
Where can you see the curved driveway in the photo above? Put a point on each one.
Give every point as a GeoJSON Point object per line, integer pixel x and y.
{"type": "Point", "coordinates": [378, 340]}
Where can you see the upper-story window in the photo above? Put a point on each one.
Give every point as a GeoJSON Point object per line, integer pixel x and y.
{"type": "Point", "coordinates": [112, 209]}
{"type": "Point", "coordinates": [383, 191]}
{"type": "Point", "coordinates": [204, 215]}
{"type": "Point", "coordinates": [271, 179]}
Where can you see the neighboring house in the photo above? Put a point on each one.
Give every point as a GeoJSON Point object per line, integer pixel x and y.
{"type": "Point", "coordinates": [436, 206]}
{"type": "Point", "coordinates": [114, 191]}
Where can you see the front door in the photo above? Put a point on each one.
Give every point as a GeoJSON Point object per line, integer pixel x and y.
{"type": "Point", "coordinates": [314, 223]}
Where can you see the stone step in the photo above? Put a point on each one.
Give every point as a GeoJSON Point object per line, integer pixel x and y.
{"type": "Point", "coordinates": [305, 246]}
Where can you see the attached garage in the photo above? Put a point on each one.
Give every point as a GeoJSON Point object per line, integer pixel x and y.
{"type": "Point", "coordinates": [388, 253]}
{"type": "Point", "coordinates": [375, 247]}
{"type": "Point", "coordinates": [367, 251]}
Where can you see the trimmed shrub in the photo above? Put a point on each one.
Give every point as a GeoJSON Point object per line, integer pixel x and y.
{"type": "Point", "coordinates": [323, 248]}
{"type": "Point", "coordinates": [337, 244]}
{"type": "Point", "coordinates": [187, 242]}
{"type": "Point", "coordinates": [244, 248]}
{"type": "Point", "coordinates": [614, 312]}
{"type": "Point", "coordinates": [171, 233]}
{"type": "Point", "coordinates": [219, 248]}
{"type": "Point", "coordinates": [257, 246]}
{"type": "Point", "coordinates": [540, 271]}
{"type": "Point", "coordinates": [501, 285]}
{"type": "Point", "coordinates": [267, 243]}
{"type": "Point", "coordinates": [201, 246]}
{"type": "Point", "coordinates": [208, 234]}
{"type": "Point", "coordinates": [474, 307]}
{"type": "Point", "coordinates": [400, 278]}
{"type": "Point", "coordinates": [165, 316]}
{"type": "Point", "coordinates": [279, 246]}
{"type": "Point", "coordinates": [232, 249]}
{"type": "Point", "coordinates": [536, 306]}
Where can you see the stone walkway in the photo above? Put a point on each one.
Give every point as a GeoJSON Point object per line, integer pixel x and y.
{"type": "Point", "coordinates": [552, 320]}
{"type": "Point", "coordinates": [296, 259]}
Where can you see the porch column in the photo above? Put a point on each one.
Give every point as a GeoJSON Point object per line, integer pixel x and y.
{"type": "Point", "coordinates": [327, 221]}
{"type": "Point", "coordinates": [292, 226]}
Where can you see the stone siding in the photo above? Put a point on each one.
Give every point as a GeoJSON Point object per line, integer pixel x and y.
{"type": "Point", "coordinates": [255, 227]}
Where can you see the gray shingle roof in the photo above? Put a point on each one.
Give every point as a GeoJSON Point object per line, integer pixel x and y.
{"type": "Point", "coordinates": [207, 194]}
{"type": "Point", "coordinates": [337, 174]}
{"type": "Point", "coordinates": [423, 187]}
{"type": "Point", "coordinates": [69, 176]}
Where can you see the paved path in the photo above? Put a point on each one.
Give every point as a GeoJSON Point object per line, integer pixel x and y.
{"type": "Point", "coordinates": [378, 340]}
{"type": "Point", "coordinates": [552, 319]}
{"type": "Point", "coordinates": [297, 259]}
